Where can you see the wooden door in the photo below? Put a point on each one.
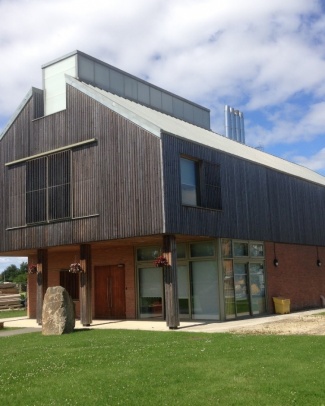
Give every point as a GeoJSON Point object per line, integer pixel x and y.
{"type": "Point", "coordinates": [110, 292]}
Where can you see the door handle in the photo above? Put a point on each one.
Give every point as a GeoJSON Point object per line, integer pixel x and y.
{"type": "Point", "coordinates": [107, 292]}
{"type": "Point", "coordinates": [110, 291]}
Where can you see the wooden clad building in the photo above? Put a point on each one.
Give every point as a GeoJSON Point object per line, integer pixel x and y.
{"type": "Point", "coordinates": [104, 170]}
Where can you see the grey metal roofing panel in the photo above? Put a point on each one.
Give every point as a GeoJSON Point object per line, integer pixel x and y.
{"type": "Point", "coordinates": [157, 122]}
{"type": "Point", "coordinates": [104, 76]}
{"type": "Point", "coordinates": [16, 113]}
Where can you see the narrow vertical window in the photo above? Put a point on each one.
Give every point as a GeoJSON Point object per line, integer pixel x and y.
{"type": "Point", "coordinates": [36, 191]}
{"type": "Point", "coordinates": [189, 181]}
{"type": "Point", "coordinates": [59, 206]}
{"type": "Point", "coordinates": [48, 188]}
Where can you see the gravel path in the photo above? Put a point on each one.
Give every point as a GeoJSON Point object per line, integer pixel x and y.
{"type": "Point", "coordinates": [304, 325]}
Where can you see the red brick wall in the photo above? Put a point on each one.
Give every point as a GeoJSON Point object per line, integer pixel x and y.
{"type": "Point", "coordinates": [55, 263]}
{"type": "Point", "coordinates": [102, 256]}
{"type": "Point", "coordinates": [297, 277]}
{"type": "Point", "coordinates": [31, 296]}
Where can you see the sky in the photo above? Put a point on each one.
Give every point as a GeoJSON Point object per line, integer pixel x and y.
{"type": "Point", "coordinates": [264, 58]}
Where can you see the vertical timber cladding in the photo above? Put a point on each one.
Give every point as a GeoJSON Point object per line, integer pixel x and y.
{"type": "Point", "coordinates": [258, 203]}
{"type": "Point", "coordinates": [128, 163]}
{"type": "Point", "coordinates": [16, 192]}
{"type": "Point", "coordinates": [117, 182]}
{"type": "Point", "coordinates": [14, 145]}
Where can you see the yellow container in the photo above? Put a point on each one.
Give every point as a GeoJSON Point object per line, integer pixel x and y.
{"type": "Point", "coordinates": [282, 306]}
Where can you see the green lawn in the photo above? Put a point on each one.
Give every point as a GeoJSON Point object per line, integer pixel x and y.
{"type": "Point", "coordinates": [6, 314]}
{"type": "Point", "coordinates": [120, 367]}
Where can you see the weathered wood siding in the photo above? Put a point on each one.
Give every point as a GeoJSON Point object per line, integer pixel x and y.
{"type": "Point", "coordinates": [15, 204]}
{"type": "Point", "coordinates": [258, 203]}
{"type": "Point", "coordinates": [38, 103]}
{"type": "Point", "coordinates": [116, 180]}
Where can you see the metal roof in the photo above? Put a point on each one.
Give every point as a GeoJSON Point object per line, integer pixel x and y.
{"type": "Point", "coordinates": [157, 122]}
{"type": "Point", "coordinates": [17, 112]}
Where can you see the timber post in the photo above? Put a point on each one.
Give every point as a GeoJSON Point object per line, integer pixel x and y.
{"type": "Point", "coordinates": [42, 272]}
{"type": "Point", "coordinates": [170, 282]}
{"type": "Point", "coordinates": [85, 285]}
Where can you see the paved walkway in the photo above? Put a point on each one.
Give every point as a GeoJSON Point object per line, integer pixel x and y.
{"type": "Point", "coordinates": [26, 325]}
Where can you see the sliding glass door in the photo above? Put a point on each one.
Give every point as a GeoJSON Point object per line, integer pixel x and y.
{"type": "Point", "coordinates": [204, 290]}
{"type": "Point", "coordinates": [244, 278]}
{"type": "Point", "coordinates": [241, 289]}
{"type": "Point", "coordinates": [151, 292]}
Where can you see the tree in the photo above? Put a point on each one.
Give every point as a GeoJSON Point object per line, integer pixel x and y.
{"type": "Point", "coordinates": [14, 274]}
{"type": "Point", "coordinates": [9, 273]}
{"type": "Point", "coordinates": [21, 278]}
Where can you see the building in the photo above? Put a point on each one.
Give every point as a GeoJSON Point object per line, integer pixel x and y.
{"type": "Point", "coordinates": [107, 171]}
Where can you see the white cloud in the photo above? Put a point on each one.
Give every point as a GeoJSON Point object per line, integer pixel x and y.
{"type": "Point", "coordinates": [314, 162]}
{"type": "Point", "coordinates": [7, 261]}
{"type": "Point", "coordinates": [254, 55]}
{"type": "Point", "coordinates": [291, 125]}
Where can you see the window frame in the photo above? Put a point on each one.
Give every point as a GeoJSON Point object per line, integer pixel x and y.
{"type": "Point", "coordinates": [197, 173]}
{"type": "Point", "coordinates": [249, 261]}
{"type": "Point", "coordinates": [51, 183]}
{"type": "Point", "coordinates": [205, 186]}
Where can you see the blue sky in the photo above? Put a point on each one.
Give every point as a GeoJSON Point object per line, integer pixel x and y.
{"type": "Point", "coordinates": [265, 58]}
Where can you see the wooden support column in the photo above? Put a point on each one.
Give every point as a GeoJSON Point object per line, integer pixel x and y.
{"type": "Point", "coordinates": [170, 282]}
{"type": "Point", "coordinates": [85, 285]}
{"type": "Point", "coordinates": [42, 278]}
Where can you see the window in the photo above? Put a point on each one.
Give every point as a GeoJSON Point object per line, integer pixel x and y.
{"type": "Point", "coordinates": [200, 184]}
{"type": "Point", "coordinates": [70, 281]}
{"type": "Point", "coordinates": [59, 186]}
{"type": "Point", "coordinates": [202, 249]}
{"type": "Point", "coordinates": [197, 278]}
{"type": "Point", "coordinates": [240, 249]}
{"type": "Point", "coordinates": [48, 188]}
{"type": "Point", "coordinates": [36, 190]}
{"type": "Point", "coordinates": [151, 292]}
{"type": "Point", "coordinates": [147, 253]}
{"type": "Point", "coordinates": [256, 249]}
{"type": "Point", "coordinates": [189, 182]}
{"type": "Point", "coordinates": [244, 278]}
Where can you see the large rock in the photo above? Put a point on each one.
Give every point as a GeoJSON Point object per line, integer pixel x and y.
{"type": "Point", "coordinates": [58, 315]}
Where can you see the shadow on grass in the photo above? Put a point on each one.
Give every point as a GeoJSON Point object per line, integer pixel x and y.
{"type": "Point", "coordinates": [81, 330]}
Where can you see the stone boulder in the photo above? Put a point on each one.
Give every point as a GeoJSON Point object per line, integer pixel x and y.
{"type": "Point", "coordinates": [58, 316]}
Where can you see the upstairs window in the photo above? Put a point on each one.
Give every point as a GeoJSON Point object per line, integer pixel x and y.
{"type": "Point", "coordinates": [48, 188]}
{"type": "Point", "coordinates": [189, 182]}
{"type": "Point", "coordinates": [36, 190]}
{"type": "Point", "coordinates": [200, 183]}
{"type": "Point", "coordinates": [59, 200]}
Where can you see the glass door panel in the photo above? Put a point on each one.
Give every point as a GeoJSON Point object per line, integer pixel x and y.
{"type": "Point", "coordinates": [204, 290]}
{"type": "Point", "coordinates": [183, 291]}
{"type": "Point", "coordinates": [229, 290]}
{"type": "Point", "coordinates": [241, 291]}
{"type": "Point", "coordinates": [151, 292]}
{"type": "Point", "coordinates": [257, 288]}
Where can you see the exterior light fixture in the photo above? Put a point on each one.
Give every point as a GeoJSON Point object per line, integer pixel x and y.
{"type": "Point", "coordinates": [318, 262]}
{"type": "Point", "coordinates": [275, 261]}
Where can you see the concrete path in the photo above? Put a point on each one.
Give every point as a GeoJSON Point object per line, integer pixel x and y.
{"type": "Point", "coordinates": [26, 325]}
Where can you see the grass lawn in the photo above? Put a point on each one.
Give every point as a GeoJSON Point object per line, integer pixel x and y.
{"type": "Point", "coordinates": [6, 314]}
{"type": "Point", "coordinates": [120, 367]}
